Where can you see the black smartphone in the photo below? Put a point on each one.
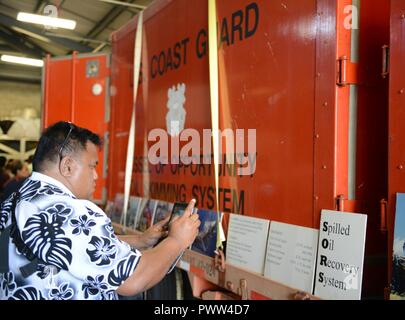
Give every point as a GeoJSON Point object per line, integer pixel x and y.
{"type": "Point", "coordinates": [177, 211]}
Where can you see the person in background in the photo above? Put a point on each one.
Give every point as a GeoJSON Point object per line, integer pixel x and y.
{"type": "Point", "coordinates": [29, 163]}
{"type": "Point", "coordinates": [4, 176]}
{"type": "Point", "coordinates": [70, 250]}
{"type": "Point", "coordinates": [20, 172]}
{"type": "Point", "coordinates": [7, 168]}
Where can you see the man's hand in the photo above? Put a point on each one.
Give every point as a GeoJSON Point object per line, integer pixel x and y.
{"type": "Point", "coordinates": [184, 229]}
{"type": "Point", "coordinates": [155, 263]}
{"type": "Point", "coordinates": [145, 240]}
{"type": "Point", "coordinates": [154, 233]}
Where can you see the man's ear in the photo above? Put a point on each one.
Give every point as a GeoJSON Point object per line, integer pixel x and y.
{"type": "Point", "coordinates": [67, 166]}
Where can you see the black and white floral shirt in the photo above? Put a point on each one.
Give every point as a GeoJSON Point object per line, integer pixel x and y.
{"type": "Point", "coordinates": [80, 257]}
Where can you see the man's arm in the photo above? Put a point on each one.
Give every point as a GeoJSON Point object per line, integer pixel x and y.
{"type": "Point", "coordinates": [147, 239]}
{"type": "Point", "coordinates": [134, 240]}
{"type": "Point", "coordinates": [155, 263]}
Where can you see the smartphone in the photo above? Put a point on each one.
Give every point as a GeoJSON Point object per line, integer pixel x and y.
{"type": "Point", "coordinates": [177, 211]}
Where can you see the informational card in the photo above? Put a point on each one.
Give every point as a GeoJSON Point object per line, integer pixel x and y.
{"type": "Point", "coordinates": [339, 268]}
{"type": "Point", "coordinates": [398, 257]}
{"type": "Point", "coordinates": [246, 242]}
{"type": "Point", "coordinates": [291, 255]}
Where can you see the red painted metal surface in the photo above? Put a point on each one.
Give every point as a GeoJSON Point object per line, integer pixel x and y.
{"type": "Point", "coordinates": [281, 80]}
{"type": "Point", "coordinates": [396, 163]}
{"type": "Point", "coordinates": [325, 111]}
{"type": "Point", "coordinates": [58, 91]}
{"type": "Point", "coordinates": [264, 85]}
{"type": "Point", "coordinates": [372, 127]}
{"type": "Point", "coordinates": [342, 110]}
{"type": "Point", "coordinates": [68, 96]}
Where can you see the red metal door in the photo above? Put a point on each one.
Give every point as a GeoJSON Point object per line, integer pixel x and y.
{"type": "Point", "coordinates": [320, 125]}
{"type": "Point", "coordinates": [396, 165]}
{"type": "Point", "coordinates": [264, 85]}
{"type": "Point", "coordinates": [76, 89]}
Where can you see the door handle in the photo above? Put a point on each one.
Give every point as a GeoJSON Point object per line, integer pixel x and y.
{"type": "Point", "coordinates": [385, 61]}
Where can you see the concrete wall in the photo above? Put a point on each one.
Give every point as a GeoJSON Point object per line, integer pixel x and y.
{"type": "Point", "coordinates": [19, 100]}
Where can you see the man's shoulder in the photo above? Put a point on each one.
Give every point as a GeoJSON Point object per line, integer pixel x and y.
{"type": "Point", "coordinates": [88, 206]}
{"type": "Point", "coordinates": [32, 190]}
{"type": "Point", "coordinates": [45, 195]}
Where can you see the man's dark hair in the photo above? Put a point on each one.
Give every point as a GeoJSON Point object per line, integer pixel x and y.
{"type": "Point", "coordinates": [61, 139]}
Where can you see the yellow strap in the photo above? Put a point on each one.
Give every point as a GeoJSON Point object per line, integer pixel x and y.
{"type": "Point", "coordinates": [131, 138]}
{"type": "Point", "coordinates": [214, 85]}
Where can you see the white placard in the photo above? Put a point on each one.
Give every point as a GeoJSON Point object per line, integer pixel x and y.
{"type": "Point", "coordinates": [291, 255]}
{"type": "Point", "coordinates": [184, 265]}
{"type": "Point", "coordinates": [339, 270]}
{"type": "Point", "coordinates": [246, 244]}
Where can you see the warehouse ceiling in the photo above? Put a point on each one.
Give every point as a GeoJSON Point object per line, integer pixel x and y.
{"type": "Point", "coordinates": [96, 20]}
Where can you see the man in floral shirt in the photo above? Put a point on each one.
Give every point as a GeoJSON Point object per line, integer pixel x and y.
{"type": "Point", "coordinates": [70, 249]}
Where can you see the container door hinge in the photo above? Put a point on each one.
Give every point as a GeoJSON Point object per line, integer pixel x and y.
{"type": "Point", "coordinates": [346, 72]}
{"type": "Point", "coordinates": [340, 203]}
{"type": "Point", "coordinates": [345, 205]}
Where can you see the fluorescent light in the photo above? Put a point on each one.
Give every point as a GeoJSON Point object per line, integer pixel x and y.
{"type": "Point", "coordinates": [22, 60]}
{"type": "Point", "coordinates": [46, 21]}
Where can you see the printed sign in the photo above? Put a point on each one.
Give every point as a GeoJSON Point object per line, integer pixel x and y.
{"type": "Point", "coordinates": [291, 255]}
{"type": "Point", "coordinates": [341, 244]}
{"type": "Point", "coordinates": [246, 244]}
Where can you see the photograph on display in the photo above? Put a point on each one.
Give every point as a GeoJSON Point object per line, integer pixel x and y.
{"type": "Point", "coordinates": [205, 242]}
{"type": "Point", "coordinates": [163, 210]}
{"type": "Point", "coordinates": [109, 208]}
{"type": "Point", "coordinates": [116, 211]}
{"type": "Point", "coordinates": [132, 212]}
{"type": "Point", "coordinates": [398, 259]}
{"type": "Point", "coordinates": [146, 211]}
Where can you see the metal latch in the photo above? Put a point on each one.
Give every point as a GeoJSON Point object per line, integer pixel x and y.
{"type": "Point", "coordinates": [301, 295]}
{"type": "Point", "coordinates": [219, 260]}
{"type": "Point", "coordinates": [243, 290]}
{"type": "Point", "coordinates": [385, 61]}
{"type": "Point", "coordinates": [346, 72]}
{"type": "Point", "coordinates": [383, 215]}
